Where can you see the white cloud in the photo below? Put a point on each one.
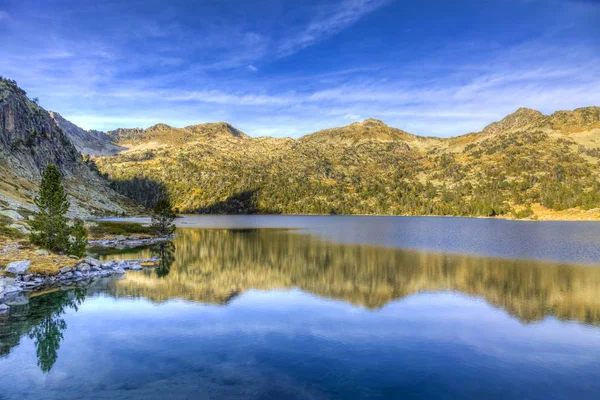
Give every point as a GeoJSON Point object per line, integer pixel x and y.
{"type": "Point", "coordinates": [251, 68]}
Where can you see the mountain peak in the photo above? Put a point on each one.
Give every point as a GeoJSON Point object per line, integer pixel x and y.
{"type": "Point", "coordinates": [518, 119]}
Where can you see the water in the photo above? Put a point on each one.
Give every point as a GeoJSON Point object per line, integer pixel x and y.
{"type": "Point", "coordinates": [325, 307]}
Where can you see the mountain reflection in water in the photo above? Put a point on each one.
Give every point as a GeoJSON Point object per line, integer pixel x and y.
{"type": "Point", "coordinates": [215, 265]}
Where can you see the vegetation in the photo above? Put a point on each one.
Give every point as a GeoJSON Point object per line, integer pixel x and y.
{"type": "Point", "coordinates": [109, 228]}
{"type": "Point", "coordinates": [163, 217]}
{"type": "Point", "coordinates": [49, 227]}
{"type": "Point", "coordinates": [369, 168]}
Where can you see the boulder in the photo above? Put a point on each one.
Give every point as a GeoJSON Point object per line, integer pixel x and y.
{"type": "Point", "coordinates": [65, 269]}
{"type": "Point", "coordinates": [83, 267]}
{"type": "Point", "coordinates": [121, 238]}
{"type": "Point", "coordinates": [19, 228]}
{"type": "Point", "coordinates": [4, 308]}
{"type": "Point", "coordinates": [18, 267]}
{"type": "Point", "coordinates": [12, 215]}
{"type": "Point", "coordinates": [119, 270]}
{"type": "Point", "coordinates": [93, 262]}
{"type": "Point", "coordinates": [17, 300]}
{"type": "Point", "coordinates": [41, 253]}
{"type": "Point", "coordinates": [135, 266]}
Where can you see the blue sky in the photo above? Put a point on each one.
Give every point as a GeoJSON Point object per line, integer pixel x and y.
{"type": "Point", "coordinates": [287, 68]}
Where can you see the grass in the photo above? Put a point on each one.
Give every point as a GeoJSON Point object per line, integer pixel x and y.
{"type": "Point", "coordinates": [40, 264]}
{"type": "Point", "coordinates": [105, 229]}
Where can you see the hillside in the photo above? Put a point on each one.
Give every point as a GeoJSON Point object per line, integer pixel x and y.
{"type": "Point", "coordinates": [30, 139]}
{"type": "Point", "coordinates": [526, 164]}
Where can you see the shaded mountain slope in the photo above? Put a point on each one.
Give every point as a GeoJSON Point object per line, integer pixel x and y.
{"type": "Point", "coordinates": [30, 139]}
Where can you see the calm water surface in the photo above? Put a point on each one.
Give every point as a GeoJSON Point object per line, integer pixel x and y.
{"type": "Point", "coordinates": [322, 308]}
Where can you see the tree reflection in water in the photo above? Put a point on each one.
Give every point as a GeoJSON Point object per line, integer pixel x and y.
{"type": "Point", "coordinates": [165, 251]}
{"type": "Point", "coordinates": [42, 321]}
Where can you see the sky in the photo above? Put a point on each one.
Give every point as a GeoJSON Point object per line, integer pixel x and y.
{"type": "Point", "coordinates": [288, 68]}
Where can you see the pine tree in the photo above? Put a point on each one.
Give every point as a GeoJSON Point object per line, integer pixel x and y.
{"type": "Point", "coordinates": [163, 217]}
{"type": "Point", "coordinates": [49, 227]}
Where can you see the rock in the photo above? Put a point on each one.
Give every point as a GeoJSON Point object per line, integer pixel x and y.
{"type": "Point", "coordinates": [83, 267]}
{"type": "Point", "coordinates": [20, 228]}
{"type": "Point", "coordinates": [73, 257]}
{"type": "Point", "coordinates": [41, 253]}
{"type": "Point", "coordinates": [66, 275]}
{"type": "Point", "coordinates": [135, 267]}
{"type": "Point", "coordinates": [65, 269]}
{"type": "Point", "coordinates": [11, 290]}
{"type": "Point", "coordinates": [18, 267]}
{"type": "Point", "coordinates": [4, 308]}
{"type": "Point", "coordinates": [93, 262]}
{"type": "Point", "coordinates": [133, 237]}
{"type": "Point", "coordinates": [26, 278]}
{"type": "Point", "coordinates": [119, 270]}
{"type": "Point", "coordinates": [12, 215]}
{"type": "Point", "coordinates": [121, 238]}
{"type": "Point", "coordinates": [17, 300]}
{"type": "Point", "coordinates": [77, 275]}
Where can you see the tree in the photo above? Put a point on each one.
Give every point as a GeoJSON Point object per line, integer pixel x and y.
{"type": "Point", "coordinates": [49, 227]}
{"type": "Point", "coordinates": [163, 217]}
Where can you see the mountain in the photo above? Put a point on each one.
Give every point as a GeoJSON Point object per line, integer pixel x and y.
{"type": "Point", "coordinates": [86, 142]}
{"type": "Point", "coordinates": [526, 165]}
{"type": "Point", "coordinates": [30, 139]}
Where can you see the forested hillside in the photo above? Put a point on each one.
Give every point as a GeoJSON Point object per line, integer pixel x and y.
{"type": "Point", "coordinates": [527, 159]}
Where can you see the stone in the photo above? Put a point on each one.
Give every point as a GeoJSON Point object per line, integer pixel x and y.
{"type": "Point", "coordinates": [73, 257]}
{"type": "Point", "coordinates": [20, 228]}
{"type": "Point", "coordinates": [4, 308]}
{"type": "Point", "coordinates": [119, 270]}
{"type": "Point", "coordinates": [65, 269]}
{"type": "Point", "coordinates": [92, 261]}
{"type": "Point", "coordinates": [12, 289]}
{"type": "Point", "coordinates": [18, 267]}
{"type": "Point", "coordinates": [66, 275]}
{"type": "Point", "coordinates": [77, 275]}
{"type": "Point", "coordinates": [41, 253]}
{"type": "Point", "coordinates": [26, 278]}
{"type": "Point", "coordinates": [17, 300]}
{"type": "Point", "coordinates": [83, 267]}
{"type": "Point", "coordinates": [135, 267]}
{"type": "Point", "coordinates": [12, 215]}
{"type": "Point", "coordinates": [121, 238]}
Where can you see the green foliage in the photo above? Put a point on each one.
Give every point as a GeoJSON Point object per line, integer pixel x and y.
{"type": "Point", "coordinates": [163, 217]}
{"type": "Point", "coordinates": [103, 228]}
{"type": "Point", "coordinates": [49, 226]}
{"type": "Point", "coordinates": [79, 239]}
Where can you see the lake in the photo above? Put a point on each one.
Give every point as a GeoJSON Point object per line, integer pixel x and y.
{"type": "Point", "coordinates": [296, 307]}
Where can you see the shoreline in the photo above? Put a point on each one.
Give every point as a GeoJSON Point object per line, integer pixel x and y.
{"type": "Point", "coordinates": [14, 291]}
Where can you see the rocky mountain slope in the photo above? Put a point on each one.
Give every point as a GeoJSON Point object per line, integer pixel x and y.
{"type": "Point", "coordinates": [30, 139]}
{"type": "Point", "coordinates": [86, 142]}
{"type": "Point", "coordinates": [527, 163]}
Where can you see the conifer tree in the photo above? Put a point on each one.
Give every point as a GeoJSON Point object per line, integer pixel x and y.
{"type": "Point", "coordinates": [49, 227]}
{"type": "Point", "coordinates": [163, 217]}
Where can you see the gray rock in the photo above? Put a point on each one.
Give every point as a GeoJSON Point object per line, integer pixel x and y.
{"type": "Point", "coordinates": [65, 269]}
{"type": "Point", "coordinates": [17, 300]}
{"type": "Point", "coordinates": [121, 238]}
{"type": "Point", "coordinates": [26, 278]}
{"type": "Point", "coordinates": [66, 275]}
{"type": "Point", "coordinates": [83, 267]}
{"type": "Point", "coordinates": [41, 253]}
{"type": "Point", "coordinates": [118, 270]}
{"type": "Point", "coordinates": [93, 262]}
{"type": "Point", "coordinates": [135, 267]}
{"type": "Point", "coordinates": [20, 228]}
{"type": "Point", "coordinates": [12, 214]}
{"type": "Point", "coordinates": [73, 257]}
{"type": "Point", "coordinates": [4, 308]}
{"type": "Point", "coordinates": [77, 275]}
{"type": "Point", "coordinates": [18, 267]}
{"type": "Point", "coordinates": [12, 289]}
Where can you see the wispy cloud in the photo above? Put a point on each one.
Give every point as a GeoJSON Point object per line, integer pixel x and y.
{"type": "Point", "coordinates": [330, 20]}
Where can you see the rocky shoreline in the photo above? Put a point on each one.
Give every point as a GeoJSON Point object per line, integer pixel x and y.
{"type": "Point", "coordinates": [14, 290]}
{"type": "Point", "coordinates": [127, 242]}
